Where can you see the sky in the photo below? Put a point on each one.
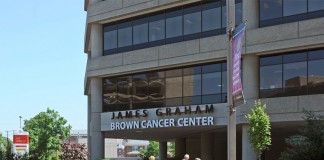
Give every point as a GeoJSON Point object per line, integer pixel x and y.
{"type": "Point", "coordinates": [42, 63]}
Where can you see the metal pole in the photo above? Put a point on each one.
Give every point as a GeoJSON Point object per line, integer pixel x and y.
{"type": "Point", "coordinates": [20, 121]}
{"type": "Point", "coordinates": [231, 128]}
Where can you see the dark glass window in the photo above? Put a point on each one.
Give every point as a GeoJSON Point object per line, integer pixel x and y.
{"type": "Point", "coordinates": [238, 13]}
{"type": "Point", "coordinates": [125, 89]}
{"type": "Point", "coordinates": [273, 12]}
{"type": "Point", "coordinates": [156, 89]}
{"type": "Point", "coordinates": [176, 87]}
{"type": "Point", "coordinates": [211, 83]}
{"type": "Point", "coordinates": [110, 37]}
{"type": "Point", "coordinates": [157, 28]}
{"type": "Point", "coordinates": [110, 91]}
{"type": "Point", "coordinates": [295, 78]}
{"type": "Point", "coordinates": [316, 76]}
{"type": "Point", "coordinates": [210, 99]}
{"type": "Point", "coordinates": [140, 88]}
{"type": "Point", "coordinates": [270, 9]}
{"type": "Point", "coordinates": [271, 81]}
{"type": "Point", "coordinates": [296, 74]}
{"type": "Point", "coordinates": [125, 34]}
{"type": "Point", "coordinates": [212, 17]}
{"type": "Point", "coordinates": [315, 5]}
{"type": "Point", "coordinates": [140, 31]}
{"type": "Point", "coordinates": [293, 7]}
{"type": "Point", "coordinates": [174, 24]}
{"type": "Point", "coordinates": [192, 20]}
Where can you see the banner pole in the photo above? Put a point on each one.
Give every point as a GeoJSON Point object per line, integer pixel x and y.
{"type": "Point", "coordinates": [231, 127]}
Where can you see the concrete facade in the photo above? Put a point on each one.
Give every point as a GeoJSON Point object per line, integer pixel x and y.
{"type": "Point", "coordinates": [285, 112]}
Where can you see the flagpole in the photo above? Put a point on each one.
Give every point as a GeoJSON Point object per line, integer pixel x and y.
{"type": "Point", "coordinates": [231, 127]}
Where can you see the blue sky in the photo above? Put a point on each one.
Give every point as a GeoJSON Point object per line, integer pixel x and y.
{"type": "Point", "coordinates": [42, 63]}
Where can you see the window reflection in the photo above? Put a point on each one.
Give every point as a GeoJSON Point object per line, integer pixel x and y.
{"type": "Point", "coordinates": [177, 87]}
{"type": "Point", "coordinates": [270, 9]}
{"type": "Point", "coordinates": [271, 81]}
{"type": "Point", "coordinates": [174, 24]}
{"type": "Point", "coordinates": [316, 76]}
{"type": "Point", "coordinates": [211, 83]}
{"type": "Point", "coordinates": [212, 19]}
{"type": "Point", "coordinates": [295, 78]}
{"type": "Point", "coordinates": [157, 28]}
{"type": "Point", "coordinates": [125, 35]}
{"type": "Point", "coordinates": [192, 23]}
{"type": "Point", "coordinates": [140, 31]}
{"type": "Point", "coordinates": [297, 74]}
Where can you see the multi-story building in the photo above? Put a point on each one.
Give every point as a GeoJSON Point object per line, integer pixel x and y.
{"type": "Point", "coordinates": [156, 70]}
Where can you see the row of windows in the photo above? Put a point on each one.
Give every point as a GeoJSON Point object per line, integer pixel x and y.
{"type": "Point", "coordinates": [205, 84]}
{"type": "Point", "coordinates": [197, 20]}
{"type": "Point", "coordinates": [292, 74]}
{"type": "Point", "coordinates": [273, 12]}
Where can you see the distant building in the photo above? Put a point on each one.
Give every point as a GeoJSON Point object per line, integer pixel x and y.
{"type": "Point", "coordinates": [114, 148]}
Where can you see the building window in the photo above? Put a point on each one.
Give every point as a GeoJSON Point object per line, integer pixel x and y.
{"type": "Point", "coordinates": [157, 30]}
{"type": "Point", "coordinates": [192, 22]}
{"type": "Point", "coordinates": [140, 33]}
{"type": "Point", "coordinates": [273, 12]}
{"type": "Point", "coordinates": [194, 85]}
{"type": "Point", "coordinates": [202, 19]}
{"type": "Point", "coordinates": [292, 74]}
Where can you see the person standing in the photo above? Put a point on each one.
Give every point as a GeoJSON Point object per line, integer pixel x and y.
{"type": "Point", "coordinates": [186, 157]}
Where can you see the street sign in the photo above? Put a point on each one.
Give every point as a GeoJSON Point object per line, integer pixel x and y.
{"type": "Point", "coordinates": [20, 142]}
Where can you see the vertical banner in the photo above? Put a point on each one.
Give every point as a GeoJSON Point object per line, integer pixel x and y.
{"type": "Point", "coordinates": [20, 142]}
{"type": "Point", "coordinates": [237, 40]}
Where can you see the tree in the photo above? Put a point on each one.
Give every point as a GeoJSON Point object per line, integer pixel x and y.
{"type": "Point", "coordinates": [171, 148]}
{"type": "Point", "coordinates": [46, 131]}
{"type": "Point", "coordinates": [309, 143]}
{"type": "Point", "coordinates": [259, 131]}
{"type": "Point", "coordinates": [74, 151]}
{"type": "Point", "coordinates": [152, 149]}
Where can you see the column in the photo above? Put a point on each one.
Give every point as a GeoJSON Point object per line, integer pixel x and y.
{"type": "Point", "coordinates": [163, 149]}
{"type": "Point", "coordinates": [180, 147]}
{"type": "Point", "coordinates": [247, 150]}
{"type": "Point", "coordinates": [96, 40]}
{"type": "Point", "coordinates": [251, 13]}
{"type": "Point", "coordinates": [251, 76]}
{"type": "Point", "coordinates": [96, 136]}
{"type": "Point", "coordinates": [207, 146]}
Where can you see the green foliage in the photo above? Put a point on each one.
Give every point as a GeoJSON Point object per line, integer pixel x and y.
{"type": "Point", "coordinates": [309, 144]}
{"type": "Point", "coordinates": [259, 131]}
{"type": "Point", "coordinates": [151, 150]}
{"type": "Point", "coordinates": [46, 131]}
{"type": "Point", "coordinates": [171, 148]}
{"type": "Point", "coordinates": [74, 151]}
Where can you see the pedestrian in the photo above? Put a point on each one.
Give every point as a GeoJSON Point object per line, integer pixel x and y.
{"type": "Point", "coordinates": [152, 158]}
{"type": "Point", "coordinates": [197, 159]}
{"type": "Point", "coordinates": [186, 156]}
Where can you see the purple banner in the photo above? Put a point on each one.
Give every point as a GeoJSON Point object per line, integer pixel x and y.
{"type": "Point", "coordinates": [237, 91]}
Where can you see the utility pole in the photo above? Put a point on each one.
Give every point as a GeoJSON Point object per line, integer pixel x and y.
{"type": "Point", "coordinates": [231, 127]}
{"type": "Point", "coordinates": [20, 121]}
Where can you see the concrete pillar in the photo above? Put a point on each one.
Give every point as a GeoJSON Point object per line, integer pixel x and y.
{"type": "Point", "coordinates": [207, 146]}
{"type": "Point", "coordinates": [251, 13]}
{"type": "Point", "coordinates": [163, 149]}
{"type": "Point", "coordinates": [180, 147]}
{"type": "Point", "coordinates": [96, 136]}
{"type": "Point", "coordinates": [247, 150]}
{"type": "Point", "coordinates": [250, 76]}
{"type": "Point", "coordinates": [89, 121]}
{"type": "Point", "coordinates": [96, 40]}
